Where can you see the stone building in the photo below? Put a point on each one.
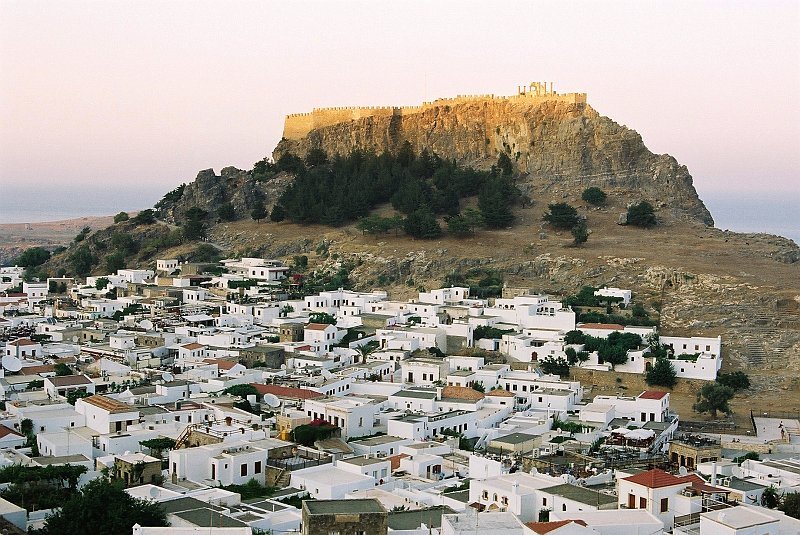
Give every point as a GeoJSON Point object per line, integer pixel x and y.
{"type": "Point", "coordinates": [344, 517]}
{"type": "Point", "coordinates": [691, 450]}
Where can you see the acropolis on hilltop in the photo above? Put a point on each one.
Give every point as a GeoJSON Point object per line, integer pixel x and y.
{"type": "Point", "coordinates": [298, 125]}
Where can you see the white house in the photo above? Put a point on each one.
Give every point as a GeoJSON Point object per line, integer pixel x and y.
{"type": "Point", "coordinates": [107, 415]}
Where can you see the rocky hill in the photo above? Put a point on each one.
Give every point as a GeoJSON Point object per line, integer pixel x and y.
{"type": "Point", "coordinates": [554, 145]}
{"type": "Point", "coordinates": [696, 279]}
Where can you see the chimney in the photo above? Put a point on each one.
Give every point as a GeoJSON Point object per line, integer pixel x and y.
{"type": "Point", "coordinates": [515, 487]}
{"type": "Point", "coordinates": [713, 473]}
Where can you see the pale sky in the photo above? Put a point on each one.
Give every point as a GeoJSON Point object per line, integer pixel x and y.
{"type": "Point", "coordinates": [140, 95]}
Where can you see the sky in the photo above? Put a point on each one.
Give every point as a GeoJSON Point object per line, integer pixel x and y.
{"type": "Point", "coordinates": [128, 99]}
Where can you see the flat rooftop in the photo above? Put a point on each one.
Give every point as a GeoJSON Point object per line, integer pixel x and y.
{"type": "Point", "coordinates": [581, 494]}
{"type": "Point", "coordinates": [377, 441]}
{"type": "Point", "coordinates": [332, 507]}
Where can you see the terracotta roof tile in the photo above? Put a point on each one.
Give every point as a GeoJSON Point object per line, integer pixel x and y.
{"type": "Point", "coordinates": [653, 394]}
{"type": "Point", "coordinates": [287, 391]}
{"type": "Point", "coordinates": [461, 392]}
{"type": "Point", "coordinates": [5, 431]}
{"type": "Point", "coordinates": [501, 393]}
{"type": "Point", "coordinates": [108, 404]}
{"type": "Point", "coordinates": [546, 527]}
{"type": "Point", "coordinates": [317, 326]}
{"type": "Point", "coordinates": [655, 479]}
{"type": "Point", "coordinates": [606, 326]}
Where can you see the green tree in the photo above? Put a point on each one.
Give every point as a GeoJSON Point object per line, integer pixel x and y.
{"type": "Point", "coordinates": [613, 354]}
{"type": "Point", "coordinates": [458, 226]}
{"type": "Point", "coordinates": [82, 260]}
{"type": "Point", "coordinates": [114, 262]}
{"type": "Point", "coordinates": [226, 212]}
{"type": "Point", "coordinates": [101, 283]}
{"type": "Point", "coordinates": [594, 195]}
{"type": "Point", "coordinates": [315, 157]}
{"type": "Point", "coordinates": [473, 218]}
{"type": "Point", "coordinates": [375, 225]}
{"type": "Point", "coordinates": [662, 374]}
{"type": "Point", "coordinates": [477, 386]}
{"type": "Point", "coordinates": [580, 233]}
{"type": "Point", "coordinates": [561, 216]}
{"type": "Point", "coordinates": [555, 366]}
{"type": "Point", "coordinates": [504, 164]}
{"type": "Point", "coordinates": [62, 369]}
{"type": "Point", "coordinates": [145, 217]}
{"type": "Point", "coordinates": [35, 256]}
{"type": "Point", "coordinates": [103, 508]}
{"type": "Point", "coordinates": [770, 497]}
{"type": "Point", "coordinates": [641, 215]}
{"type": "Point", "coordinates": [82, 234]}
{"type": "Point", "coordinates": [75, 395]}
{"type": "Point", "coordinates": [422, 224]}
{"type": "Point", "coordinates": [790, 504]}
{"type": "Point", "coordinates": [195, 226]}
{"type": "Point", "coordinates": [259, 211]}
{"type": "Point", "coordinates": [494, 202]}
{"type": "Point", "coordinates": [158, 445]}
{"type": "Point", "coordinates": [242, 391]}
{"type": "Point", "coordinates": [277, 214]}
{"type": "Point", "coordinates": [322, 317]}
{"type": "Point", "coordinates": [120, 217]}
{"type": "Point", "coordinates": [714, 397]}
{"type": "Point", "coordinates": [736, 380]}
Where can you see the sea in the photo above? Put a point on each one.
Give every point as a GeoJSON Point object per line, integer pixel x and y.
{"type": "Point", "coordinates": [769, 212]}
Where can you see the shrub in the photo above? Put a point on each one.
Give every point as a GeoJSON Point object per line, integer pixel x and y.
{"type": "Point", "coordinates": [562, 216]}
{"type": "Point", "coordinates": [594, 195]}
{"type": "Point", "coordinates": [641, 215]}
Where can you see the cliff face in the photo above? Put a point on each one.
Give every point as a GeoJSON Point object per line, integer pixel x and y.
{"type": "Point", "coordinates": [209, 191]}
{"type": "Point", "coordinates": [555, 145]}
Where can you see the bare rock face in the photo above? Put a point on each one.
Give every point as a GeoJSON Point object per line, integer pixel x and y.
{"type": "Point", "coordinates": [553, 144]}
{"type": "Point", "coordinates": [209, 191]}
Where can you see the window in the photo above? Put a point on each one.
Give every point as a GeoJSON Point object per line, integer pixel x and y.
{"type": "Point", "coordinates": [563, 507]}
{"type": "Point", "coordinates": [485, 494]}
{"type": "Point", "coordinates": [664, 505]}
{"type": "Point", "coordinates": [544, 502]}
{"type": "Point", "coordinates": [642, 503]}
{"type": "Point", "coordinates": [257, 468]}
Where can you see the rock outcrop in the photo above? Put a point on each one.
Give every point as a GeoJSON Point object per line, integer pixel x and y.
{"type": "Point", "coordinates": [210, 191]}
{"type": "Point", "coordinates": [553, 144]}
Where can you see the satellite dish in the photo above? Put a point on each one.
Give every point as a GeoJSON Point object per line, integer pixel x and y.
{"type": "Point", "coordinates": [683, 471]}
{"type": "Point", "coordinates": [154, 492]}
{"type": "Point", "coordinates": [167, 377]}
{"type": "Point", "coordinates": [74, 338]}
{"type": "Point", "coordinates": [11, 363]}
{"type": "Point", "coordinates": [236, 368]}
{"type": "Point", "coordinates": [283, 366]}
{"type": "Point", "coordinates": [271, 400]}
{"type": "Point", "coordinates": [326, 374]}
{"type": "Point", "coordinates": [146, 324]}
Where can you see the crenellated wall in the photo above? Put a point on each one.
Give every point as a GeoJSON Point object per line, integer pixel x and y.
{"type": "Point", "coordinates": [298, 125]}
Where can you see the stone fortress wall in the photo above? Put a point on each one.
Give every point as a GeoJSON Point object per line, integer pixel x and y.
{"type": "Point", "coordinates": [298, 125]}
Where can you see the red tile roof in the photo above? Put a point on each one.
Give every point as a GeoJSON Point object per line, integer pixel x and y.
{"type": "Point", "coordinates": [546, 527]}
{"type": "Point", "coordinates": [317, 326]}
{"type": "Point", "coordinates": [193, 345]}
{"type": "Point", "coordinates": [653, 394]}
{"type": "Point", "coordinates": [461, 392]}
{"type": "Point", "coordinates": [23, 342]}
{"type": "Point", "coordinates": [36, 370]}
{"type": "Point", "coordinates": [655, 479]}
{"type": "Point", "coordinates": [5, 431]}
{"type": "Point", "coordinates": [501, 393]}
{"type": "Point", "coordinates": [287, 391]}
